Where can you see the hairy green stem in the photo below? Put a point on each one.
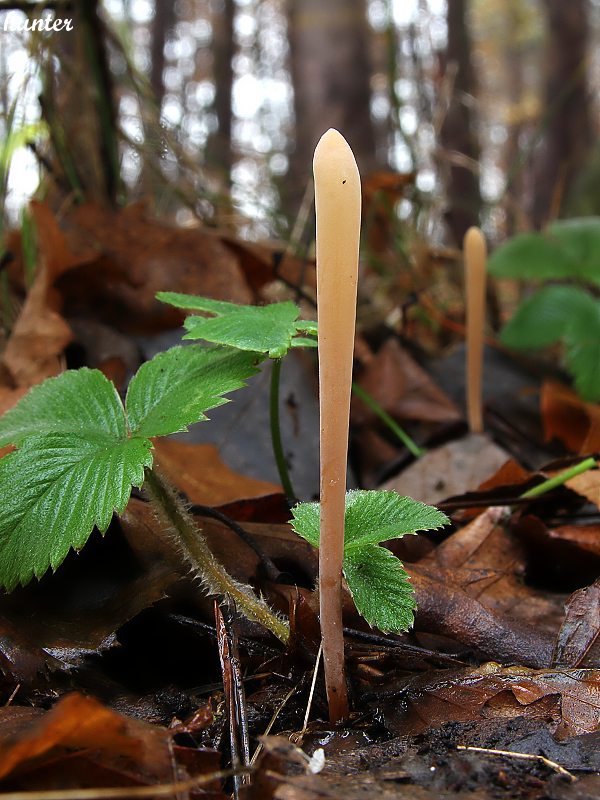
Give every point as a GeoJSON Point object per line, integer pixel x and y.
{"type": "Point", "coordinates": [560, 479]}
{"type": "Point", "coordinates": [182, 529]}
{"type": "Point", "coordinates": [284, 475]}
{"type": "Point", "coordinates": [406, 440]}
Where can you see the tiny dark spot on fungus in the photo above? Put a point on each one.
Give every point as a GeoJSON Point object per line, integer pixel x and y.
{"type": "Point", "coordinates": [344, 181]}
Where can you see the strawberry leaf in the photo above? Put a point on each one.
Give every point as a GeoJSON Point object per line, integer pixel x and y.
{"type": "Point", "coordinates": [582, 345]}
{"type": "Point", "coordinates": [262, 329]}
{"type": "Point", "coordinates": [80, 401]}
{"type": "Point", "coordinates": [568, 314]}
{"type": "Point", "coordinates": [567, 249]}
{"type": "Point", "coordinates": [380, 588]}
{"type": "Point", "coordinates": [306, 520]}
{"type": "Point", "coordinates": [374, 576]}
{"type": "Point", "coordinates": [530, 256]}
{"type": "Point", "coordinates": [176, 387]}
{"type": "Point", "coordinates": [55, 489]}
{"type": "Point", "coordinates": [378, 516]}
{"type": "Point", "coordinates": [79, 455]}
{"type": "Point", "coordinates": [543, 318]}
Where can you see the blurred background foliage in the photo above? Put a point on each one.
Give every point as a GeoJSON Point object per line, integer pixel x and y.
{"type": "Point", "coordinates": [212, 108]}
{"type": "Point", "coordinates": [460, 112]}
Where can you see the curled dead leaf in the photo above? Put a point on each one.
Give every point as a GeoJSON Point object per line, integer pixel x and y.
{"type": "Point", "coordinates": [569, 418]}
{"type": "Point", "coordinates": [570, 697]}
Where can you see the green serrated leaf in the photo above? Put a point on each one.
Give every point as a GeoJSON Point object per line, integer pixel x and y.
{"type": "Point", "coordinates": [308, 326]}
{"type": "Point", "coordinates": [378, 516]}
{"type": "Point", "coordinates": [375, 577]}
{"type": "Point", "coordinates": [80, 401]}
{"type": "Point", "coordinates": [568, 249]}
{"type": "Point", "coordinates": [77, 462]}
{"type": "Point", "coordinates": [263, 329]}
{"type": "Point", "coordinates": [380, 588]}
{"type": "Point", "coordinates": [55, 489]}
{"type": "Point", "coordinates": [260, 329]}
{"type": "Point", "coordinates": [175, 388]}
{"type": "Point", "coordinates": [583, 361]}
{"type": "Point", "coordinates": [543, 318]}
{"type": "Point", "coordinates": [582, 345]}
{"type": "Point", "coordinates": [306, 520]}
{"type": "Point", "coordinates": [192, 302]}
{"type": "Point", "coordinates": [530, 256]}
{"type": "Point", "coordinates": [579, 240]}
{"type": "Point", "coordinates": [371, 517]}
{"type": "Point", "coordinates": [570, 315]}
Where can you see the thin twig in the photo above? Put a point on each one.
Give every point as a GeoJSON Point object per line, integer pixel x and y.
{"type": "Point", "coordinates": [272, 721]}
{"type": "Point", "coordinates": [525, 756]}
{"type": "Point", "coordinates": [101, 793]}
{"type": "Point", "coordinates": [408, 649]}
{"type": "Point", "coordinates": [298, 737]}
{"type": "Point", "coordinates": [233, 688]}
{"type": "Point", "coordinates": [14, 693]}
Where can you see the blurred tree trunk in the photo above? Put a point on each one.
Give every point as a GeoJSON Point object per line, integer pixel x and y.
{"type": "Point", "coordinates": [513, 61]}
{"type": "Point", "coordinates": [78, 105]}
{"type": "Point", "coordinates": [162, 22]}
{"type": "Point", "coordinates": [568, 132]}
{"type": "Point", "coordinates": [150, 183]}
{"type": "Point", "coordinates": [330, 69]}
{"type": "Point", "coordinates": [458, 136]}
{"type": "Point", "coordinates": [219, 150]}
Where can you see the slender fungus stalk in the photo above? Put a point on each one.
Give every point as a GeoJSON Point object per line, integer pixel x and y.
{"type": "Point", "coordinates": [337, 201]}
{"type": "Point", "coordinates": [475, 255]}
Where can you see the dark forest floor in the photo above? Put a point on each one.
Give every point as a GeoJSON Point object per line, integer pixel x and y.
{"type": "Point", "coordinates": [113, 674]}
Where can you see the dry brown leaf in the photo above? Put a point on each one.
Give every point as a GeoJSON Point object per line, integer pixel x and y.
{"type": "Point", "coordinates": [40, 334]}
{"type": "Point", "coordinates": [511, 473]}
{"type": "Point", "coordinates": [77, 723]}
{"type": "Point", "coordinates": [566, 554]}
{"type": "Point", "coordinates": [58, 253]}
{"type": "Point", "coordinates": [481, 546]}
{"type": "Point", "coordinates": [37, 340]}
{"type": "Point", "coordinates": [488, 563]}
{"type": "Point", "coordinates": [505, 484]}
{"type": "Point", "coordinates": [444, 608]}
{"type": "Point", "coordinates": [373, 452]}
{"type": "Point", "coordinates": [587, 485]}
{"type": "Point", "coordinates": [572, 697]}
{"type": "Point", "coordinates": [584, 537]}
{"type": "Point", "coordinates": [199, 472]}
{"type": "Point", "coordinates": [263, 263]}
{"type": "Point", "coordinates": [569, 418]}
{"type": "Point", "coordinates": [580, 629]}
{"type": "Point", "coordinates": [136, 257]}
{"type": "Point", "coordinates": [402, 388]}
{"type": "Point", "coordinates": [449, 470]}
